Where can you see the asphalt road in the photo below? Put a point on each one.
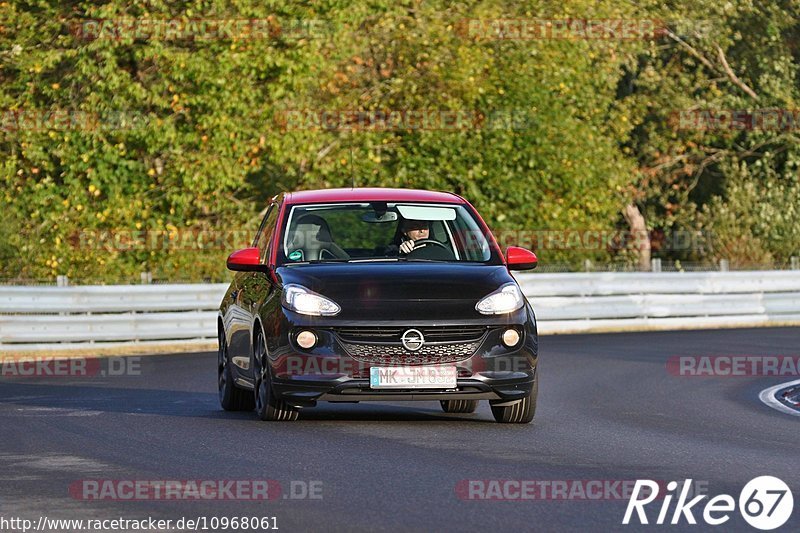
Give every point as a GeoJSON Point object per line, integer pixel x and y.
{"type": "Point", "coordinates": [608, 410]}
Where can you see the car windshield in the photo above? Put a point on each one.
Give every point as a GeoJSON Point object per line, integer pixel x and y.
{"type": "Point", "coordinates": [383, 231]}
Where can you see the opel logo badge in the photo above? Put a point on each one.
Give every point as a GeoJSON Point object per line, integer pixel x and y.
{"type": "Point", "coordinates": [412, 340]}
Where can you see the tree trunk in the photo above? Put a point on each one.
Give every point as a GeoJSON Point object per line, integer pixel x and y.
{"type": "Point", "coordinates": [640, 239]}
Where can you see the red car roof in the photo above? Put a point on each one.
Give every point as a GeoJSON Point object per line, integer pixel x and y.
{"type": "Point", "coordinates": [371, 194]}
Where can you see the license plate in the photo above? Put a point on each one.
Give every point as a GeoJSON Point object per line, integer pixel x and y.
{"type": "Point", "coordinates": [413, 377]}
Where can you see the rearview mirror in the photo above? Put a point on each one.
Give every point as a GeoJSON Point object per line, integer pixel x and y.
{"type": "Point", "coordinates": [246, 260]}
{"type": "Point", "coordinates": [374, 218]}
{"type": "Point", "coordinates": [520, 259]}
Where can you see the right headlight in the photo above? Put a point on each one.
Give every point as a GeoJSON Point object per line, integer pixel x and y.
{"type": "Point", "coordinates": [506, 299]}
{"type": "Point", "coordinates": [307, 302]}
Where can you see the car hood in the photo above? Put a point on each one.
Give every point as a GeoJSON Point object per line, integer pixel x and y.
{"type": "Point", "coordinates": [400, 291]}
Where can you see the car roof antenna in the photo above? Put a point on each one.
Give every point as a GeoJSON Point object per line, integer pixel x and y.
{"type": "Point", "coordinates": [352, 175]}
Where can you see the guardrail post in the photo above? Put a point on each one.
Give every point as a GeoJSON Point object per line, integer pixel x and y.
{"type": "Point", "coordinates": [655, 264]}
{"type": "Point", "coordinates": [795, 262]}
{"type": "Point", "coordinates": [146, 277]}
{"type": "Point", "coordinates": [723, 265]}
{"type": "Point", "coordinates": [587, 265]}
{"type": "Point", "coordinates": [62, 281]}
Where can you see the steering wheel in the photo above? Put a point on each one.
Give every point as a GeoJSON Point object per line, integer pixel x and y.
{"type": "Point", "coordinates": [429, 241]}
{"type": "Point", "coordinates": [436, 252]}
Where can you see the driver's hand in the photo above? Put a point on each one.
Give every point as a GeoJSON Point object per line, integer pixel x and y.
{"type": "Point", "coordinates": [406, 246]}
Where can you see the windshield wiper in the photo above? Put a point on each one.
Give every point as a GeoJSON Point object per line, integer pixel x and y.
{"type": "Point", "coordinates": [318, 261]}
{"type": "Point", "coordinates": [389, 260]}
{"type": "Point", "coordinates": [371, 260]}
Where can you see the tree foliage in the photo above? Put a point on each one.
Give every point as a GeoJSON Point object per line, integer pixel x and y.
{"type": "Point", "coordinates": [170, 137]}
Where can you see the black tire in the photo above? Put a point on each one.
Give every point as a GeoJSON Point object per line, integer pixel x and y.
{"type": "Point", "coordinates": [459, 406]}
{"type": "Point", "coordinates": [521, 412]}
{"type": "Point", "coordinates": [267, 406]}
{"type": "Point", "coordinates": [231, 397]}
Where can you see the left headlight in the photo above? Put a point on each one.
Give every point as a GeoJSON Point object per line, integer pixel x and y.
{"type": "Point", "coordinates": [504, 300]}
{"type": "Point", "coordinates": [298, 298]}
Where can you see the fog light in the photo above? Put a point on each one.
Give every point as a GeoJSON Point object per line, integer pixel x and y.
{"type": "Point", "coordinates": [306, 339]}
{"type": "Point", "coordinates": [510, 337]}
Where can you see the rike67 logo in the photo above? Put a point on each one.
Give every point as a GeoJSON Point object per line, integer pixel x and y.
{"type": "Point", "coordinates": [765, 503]}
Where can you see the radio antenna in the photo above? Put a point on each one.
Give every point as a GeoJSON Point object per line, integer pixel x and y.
{"type": "Point", "coordinates": [352, 175]}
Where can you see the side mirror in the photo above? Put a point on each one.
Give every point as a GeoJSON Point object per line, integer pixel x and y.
{"type": "Point", "coordinates": [520, 259]}
{"type": "Point", "coordinates": [246, 260]}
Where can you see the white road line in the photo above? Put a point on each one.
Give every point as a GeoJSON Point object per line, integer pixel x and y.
{"type": "Point", "coordinates": [768, 397]}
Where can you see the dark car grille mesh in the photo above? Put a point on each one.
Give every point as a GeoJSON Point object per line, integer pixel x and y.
{"type": "Point", "coordinates": [380, 334]}
{"type": "Point", "coordinates": [382, 345]}
{"type": "Point", "coordinates": [397, 355]}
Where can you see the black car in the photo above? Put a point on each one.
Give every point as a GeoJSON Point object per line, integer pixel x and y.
{"type": "Point", "coordinates": [352, 295]}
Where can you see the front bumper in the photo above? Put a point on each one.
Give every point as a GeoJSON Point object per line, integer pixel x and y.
{"type": "Point", "coordinates": [331, 371]}
{"type": "Point", "coordinates": [510, 386]}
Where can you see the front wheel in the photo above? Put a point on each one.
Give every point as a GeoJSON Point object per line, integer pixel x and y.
{"type": "Point", "coordinates": [231, 397]}
{"type": "Point", "coordinates": [521, 412]}
{"type": "Point", "coordinates": [267, 406]}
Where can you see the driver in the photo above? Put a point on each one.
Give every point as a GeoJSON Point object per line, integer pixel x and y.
{"type": "Point", "coordinates": [413, 230]}
{"type": "Point", "coordinates": [408, 232]}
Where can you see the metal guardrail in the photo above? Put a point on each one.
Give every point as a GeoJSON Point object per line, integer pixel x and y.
{"type": "Point", "coordinates": [671, 300]}
{"type": "Point", "coordinates": [51, 318]}
{"type": "Point", "coordinates": [36, 317]}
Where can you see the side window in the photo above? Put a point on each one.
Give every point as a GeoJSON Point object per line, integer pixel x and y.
{"type": "Point", "coordinates": [266, 231]}
{"type": "Point", "coordinates": [470, 240]}
{"type": "Point", "coordinates": [261, 226]}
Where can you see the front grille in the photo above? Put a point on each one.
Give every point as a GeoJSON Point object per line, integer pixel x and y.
{"type": "Point", "coordinates": [382, 345]}
{"type": "Point", "coordinates": [391, 334]}
{"type": "Point", "coordinates": [385, 354]}
{"type": "Point", "coordinates": [397, 355]}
